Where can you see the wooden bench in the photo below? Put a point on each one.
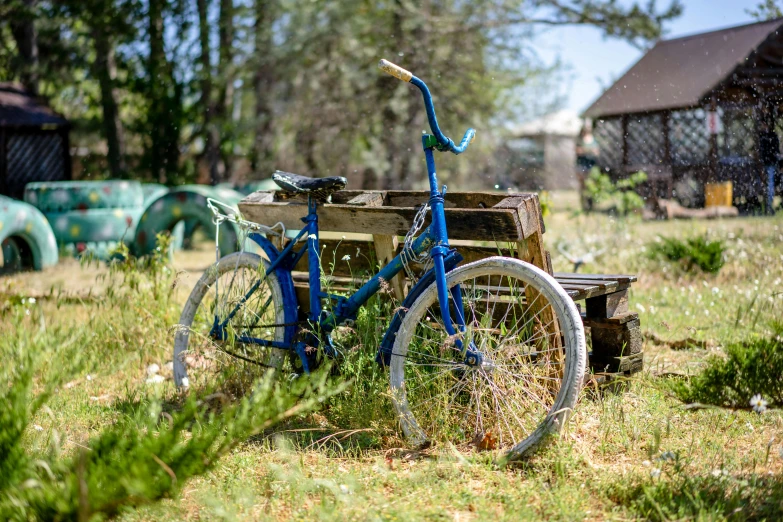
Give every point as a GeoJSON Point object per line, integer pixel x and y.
{"type": "Point", "coordinates": [360, 231]}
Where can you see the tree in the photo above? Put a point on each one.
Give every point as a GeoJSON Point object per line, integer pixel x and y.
{"type": "Point", "coordinates": [293, 84]}
{"type": "Point", "coordinates": [26, 36]}
{"type": "Point", "coordinates": [164, 110]}
{"type": "Point", "coordinates": [211, 134]}
{"type": "Point", "coordinates": [766, 10]}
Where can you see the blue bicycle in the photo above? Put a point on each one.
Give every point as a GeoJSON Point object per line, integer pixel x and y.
{"type": "Point", "coordinates": [489, 354]}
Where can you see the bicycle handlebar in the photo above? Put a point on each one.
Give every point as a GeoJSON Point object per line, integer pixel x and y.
{"type": "Point", "coordinates": [445, 142]}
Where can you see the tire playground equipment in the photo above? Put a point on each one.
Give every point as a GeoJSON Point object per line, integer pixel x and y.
{"type": "Point", "coordinates": [152, 191]}
{"type": "Point", "coordinates": [94, 225]}
{"type": "Point", "coordinates": [68, 196]}
{"type": "Point", "coordinates": [186, 204]}
{"type": "Point", "coordinates": [25, 235]}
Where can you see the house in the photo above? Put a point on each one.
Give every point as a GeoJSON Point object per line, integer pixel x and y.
{"type": "Point", "coordinates": [691, 111]}
{"type": "Point", "coordinates": [33, 141]}
{"type": "Point", "coordinates": [542, 153]}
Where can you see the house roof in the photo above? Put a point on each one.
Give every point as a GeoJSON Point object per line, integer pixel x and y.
{"type": "Point", "coordinates": [679, 72]}
{"type": "Point", "coordinates": [561, 123]}
{"type": "Point", "coordinates": [18, 108]}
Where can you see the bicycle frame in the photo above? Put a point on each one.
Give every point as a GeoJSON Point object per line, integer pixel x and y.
{"type": "Point", "coordinates": [345, 309]}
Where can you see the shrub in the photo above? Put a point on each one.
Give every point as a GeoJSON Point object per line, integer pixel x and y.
{"type": "Point", "coordinates": [621, 195]}
{"type": "Point", "coordinates": [748, 369]}
{"type": "Point", "coordinates": [147, 453]}
{"type": "Point", "coordinates": [697, 251]}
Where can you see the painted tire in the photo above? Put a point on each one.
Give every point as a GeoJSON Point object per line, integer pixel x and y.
{"type": "Point", "coordinates": [95, 225]}
{"type": "Point", "coordinates": [103, 250]}
{"type": "Point", "coordinates": [253, 186]}
{"type": "Point", "coordinates": [67, 196]}
{"type": "Point", "coordinates": [187, 203]}
{"type": "Point", "coordinates": [26, 236]}
{"type": "Point", "coordinates": [152, 191]}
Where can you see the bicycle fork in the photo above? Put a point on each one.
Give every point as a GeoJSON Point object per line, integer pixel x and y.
{"type": "Point", "coordinates": [472, 356]}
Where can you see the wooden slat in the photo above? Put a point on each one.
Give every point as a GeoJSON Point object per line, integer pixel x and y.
{"type": "Point", "coordinates": [385, 251]}
{"type": "Point", "coordinates": [608, 285]}
{"type": "Point", "coordinates": [505, 223]}
{"type": "Point", "coordinates": [587, 292]}
{"type": "Point", "coordinates": [620, 278]}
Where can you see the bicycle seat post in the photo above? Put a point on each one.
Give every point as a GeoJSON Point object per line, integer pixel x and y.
{"type": "Point", "coordinates": [314, 263]}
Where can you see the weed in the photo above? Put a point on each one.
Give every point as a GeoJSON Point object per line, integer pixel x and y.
{"type": "Point", "coordinates": [693, 252]}
{"type": "Point", "coordinates": [749, 368]}
{"type": "Point", "coordinates": [621, 195]}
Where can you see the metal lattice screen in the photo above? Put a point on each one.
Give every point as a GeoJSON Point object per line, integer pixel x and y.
{"type": "Point", "coordinates": [33, 157]}
{"type": "Point", "coordinates": [645, 140]}
{"type": "Point", "coordinates": [608, 135]}
{"type": "Point", "coordinates": [738, 137]}
{"type": "Point", "coordinates": [689, 137]}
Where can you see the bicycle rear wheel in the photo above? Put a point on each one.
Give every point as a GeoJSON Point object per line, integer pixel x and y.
{"type": "Point", "coordinates": [198, 357]}
{"type": "Point", "coordinates": [530, 337]}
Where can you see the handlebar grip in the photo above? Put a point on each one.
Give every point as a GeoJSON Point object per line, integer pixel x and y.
{"type": "Point", "coordinates": [395, 70]}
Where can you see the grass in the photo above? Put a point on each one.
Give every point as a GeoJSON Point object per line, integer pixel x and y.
{"type": "Point", "coordinates": [634, 453]}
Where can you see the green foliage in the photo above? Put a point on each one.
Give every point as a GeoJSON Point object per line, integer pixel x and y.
{"type": "Point", "coordinates": [693, 252]}
{"type": "Point", "coordinates": [154, 445]}
{"type": "Point", "coordinates": [766, 10]}
{"type": "Point", "coordinates": [682, 495]}
{"type": "Point", "coordinates": [620, 195]}
{"type": "Point", "coordinates": [749, 368]}
{"type": "Point", "coordinates": [292, 84]}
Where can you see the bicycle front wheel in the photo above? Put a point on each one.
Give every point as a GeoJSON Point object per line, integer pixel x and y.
{"type": "Point", "coordinates": [530, 344]}
{"type": "Point", "coordinates": [237, 284]}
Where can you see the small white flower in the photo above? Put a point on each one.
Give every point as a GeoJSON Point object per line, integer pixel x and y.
{"type": "Point", "coordinates": [715, 290]}
{"type": "Point", "coordinates": [152, 369]}
{"type": "Point", "coordinates": [37, 427]}
{"type": "Point", "coordinates": [646, 463]}
{"type": "Point", "coordinates": [156, 379]}
{"type": "Point", "coordinates": [759, 404]}
{"type": "Point", "coordinates": [31, 300]}
{"type": "Point", "coordinates": [716, 473]}
{"type": "Point", "coordinates": [312, 236]}
{"type": "Point", "coordinates": [344, 489]}
{"type": "Point", "coordinates": [655, 472]}
{"type": "Point", "coordinates": [89, 377]}
{"type": "Point", "coordinates": [185, 382]}
{"type": "Point", "coordinates": [640, 307]}
{"type": "Point", "coordinates": [346, 257]}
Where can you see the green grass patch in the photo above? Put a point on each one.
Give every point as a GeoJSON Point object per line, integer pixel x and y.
{"type": "Point", "coordinates": [749, 368]}
{"type": "Point", "coordinates": [690, 253]}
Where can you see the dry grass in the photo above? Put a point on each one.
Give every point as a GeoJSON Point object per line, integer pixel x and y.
{"type": "Point", "coordinates": [599, 469]}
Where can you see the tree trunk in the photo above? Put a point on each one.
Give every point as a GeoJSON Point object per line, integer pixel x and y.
{"type": "Point", "coordinates": [263, 81]}
{"type": "Point", "coordinates": [211, 133]}
{"type": "Point", "coordinates": [157, 88]}
{"type": "Point", "coordinates": [225, 74]}
{"type": "Point", "coordinates": [106, 70]}
{"type": "Point", "coordinates": [165, 99]}
{"type": "Point", "coordinates": [26, 38]}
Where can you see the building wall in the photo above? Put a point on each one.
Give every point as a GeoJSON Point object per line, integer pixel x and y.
{"type": "Point", "coordinates": [560, 163]}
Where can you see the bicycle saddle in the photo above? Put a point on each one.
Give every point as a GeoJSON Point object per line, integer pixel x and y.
{"type": "Point", "coordinates": [320, 188]}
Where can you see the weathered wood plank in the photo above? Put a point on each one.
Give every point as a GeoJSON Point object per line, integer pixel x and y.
{"type": "Point", "coordinates": [509, 222]}
{"type": "Point", "coordinates": [368, 199]}
{"type": "Point", "coordinates": [476, 224]}
{"type": "Point", "coordinates": [385, 251]}
{"type": "Point", "coordinates": [620, 278]}
{"type": "Point", "coordinates": [608, 305]}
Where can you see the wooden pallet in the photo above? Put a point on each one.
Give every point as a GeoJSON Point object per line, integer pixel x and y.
{"type": "Point", "coordinates": [481, 224]}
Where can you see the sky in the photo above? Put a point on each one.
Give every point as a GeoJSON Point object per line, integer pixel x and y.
{"type": "Point", "coordinates": [594, 62]}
